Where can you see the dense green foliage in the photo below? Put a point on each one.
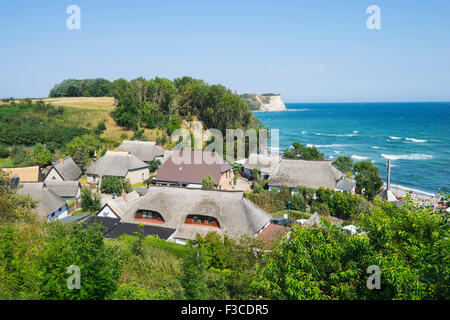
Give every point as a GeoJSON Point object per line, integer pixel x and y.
{"type": "Point", "coordinates": [299, 151]}
{"type": "Point", "coordinates": [115, 185]}
{"type": "Point", "coordinates": [28, 123]}
{"type": "Point", "coordinates": [82, 88]}
{"type": "Point", "coordinates": [343, 164]}
{"type": "Point", "coordinates": [208, 182]}
{"type": "Point", "coordinates": [341, 205]}
{"type": "Point", "coordinates": [409, 245]}
{"type": "Point", "coordinates": [38, 155]}
{"type": "Point", "coordinates": [90, 201]}
{"type": "Point", "coordinates": [161, 103]}
{"type": "Point", "coordinates": [154, 165]}
{"type": "Point", "coordinates": [368, 179]}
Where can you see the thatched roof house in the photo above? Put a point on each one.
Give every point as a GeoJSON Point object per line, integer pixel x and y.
{"type": "Point", "coordinates": [50, 205]}
{"type": "Point", "coordinates": [185, 167]}
{"type": "Point", "coordinates": [120, 164]}
{"type": "Point", "coordinates": [265, 164]}
{"type": "Point", "coordinates": [143, 150]}
{"type": "Point", "coordinates": [307, 173]}
{"type": "Point", "coordinates": [25, 174]}
{"type": "Point", "coordinates": [64, 170]}
{"type": "Point", "coordinates": [194, 211]}
{"type": "Point", "coordinates": [65, 189]}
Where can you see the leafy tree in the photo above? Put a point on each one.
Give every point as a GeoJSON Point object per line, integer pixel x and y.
{"type": "Point", "coordinates": [208, 182]}
{"type": "Point", "coordinates": [316, 263]}
{"type": "Point", "coordinates": [368, 179]}
{"type": "Point", "coordinates": [4, 152]}
{"type": "Point", "coordinates": [80, 245]}
{"type": "Point", "coordinates": [193, 277]}
{"type": "Point", "coordinates": [299, 151]}
{"type": "Point", "coordinates": [101, 127]}
{"type": "Point", "coordinates": [321, 208]}
{"type": "Point", "coordinates": [343, 164]}
{"type": "Point", "coordinates": [154, 165]}
{"type": "Point", "coordinates": [20, 156]}
{"type": "Point", "coordinates": [81, 157]}
{"type": "Point", "coordinates": [115, 185]}
{"type": "Point", "coordinates": [90, 201]}
{"type": "Point", "coordinates": [41, 156]}
{"type": "Point", "coordinates": [298, 202]}
{"type": "Point", "coordinates": [87, 143]}
{"type": "Point", "coordinates": [82, 88]}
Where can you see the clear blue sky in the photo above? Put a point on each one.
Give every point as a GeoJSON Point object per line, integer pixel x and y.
{"type": "Point", "coordinates": [306, 50]}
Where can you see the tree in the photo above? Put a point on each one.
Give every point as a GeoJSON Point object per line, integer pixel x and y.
{"type": "Point", "coordinates": [193, 278]}
{"type": "Point", "coordinates": [4, 152]}
{"type": "Point", "coordinates": [101, 127]}
{"type": "Point", "coordinates": [368, 179]}
{"type": "Point", "coordinates": [115, 185]}
{"type": "Point", "coordinates": [298, 202]}
{"type": "Point", "coordinates": [83, 246]}
{"type": "Point", "coordinates": [343, 164]}
{"type": "Point", "coordinates": [81, 157]}
{"type": "Point", "coordinates": [87, 143]}
{"type": "Point", "coordinates": [208, 182]}
{"type": "Point", "coordinates": [20, 156]}
{"type": "Point", "coordinates": [41, 156]}
{"type": "Point", "coordinates": [90, 201]}
{"type": "Point", "coordinates": [154, 165]}
{"type": "Point", "coordinates": [316, 263]}
{"type": "Point", "coordinates": [299, 151]}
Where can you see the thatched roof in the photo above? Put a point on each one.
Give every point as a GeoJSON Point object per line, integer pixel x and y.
{"type": "Point", "coordinates": [236, 215]}
{"type": "Point", "coordinates": [65, 189]}
{"type": "Point", "coordinates": [115, 163]}
{"type": "Point", "coordinates": [121, 204]}
{"type": "Point", "coordinates": [67, 169]}
{"type": "Point", "coordinates": [49, 201]}
{"type": "Point", "coordinates": [307, 173]}
{"type": "Point", "coordinates": [191, 167]}
{"type": "Point", "coordinates": [265, 164]}
{"type": "Point", "coordinates": [346, 185]}
{"type": "Point", "coordinates": [143, 150]}
{"type": "Point", "coordinates": [26, 174]}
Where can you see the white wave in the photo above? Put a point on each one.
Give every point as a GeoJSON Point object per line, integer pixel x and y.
{"type": "Point", "coordinates": [375, 147]}
{"type": "Point", "coordinates": [339, 135]}
{"type": "Point", "coordinates": [415, 156]}
{"type": "Point", "coordinates": [395, 138]}
{"type": "Point", "coordinates": [330, 157]}
{"type": "Point", "coordinates": [355, 131]}
{"type": "Point", "coordinates": [337, 152]}
{"type": "Point", "coordinates": [326, 145]}
{"type": "Point", "coordinates": [303, 132]}
{"type": "Point", "coordinates": [415, 140]}
{"type": "Point", "coordinates": [359, 157]}
{"type": "Point", "coordinates": [294, 110]}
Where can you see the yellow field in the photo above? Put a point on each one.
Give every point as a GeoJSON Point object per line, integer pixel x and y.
{"type": "Point", "coordinates": [88, 112]}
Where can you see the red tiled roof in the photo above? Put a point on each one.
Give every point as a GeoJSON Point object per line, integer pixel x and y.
{"type": "Point", "coordinates": [271, 235]}
{"type": "Point", "coordinates": [192, 166]}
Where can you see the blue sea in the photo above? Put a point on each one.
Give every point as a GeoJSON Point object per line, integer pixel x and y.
{"type": "Point", "coordinates": [415, 136]}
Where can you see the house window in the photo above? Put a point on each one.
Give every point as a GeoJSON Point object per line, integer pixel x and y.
{"type": "Point", "coordinates": [202, 220]}
{"type": "Point", "coordinates": [148, 215]}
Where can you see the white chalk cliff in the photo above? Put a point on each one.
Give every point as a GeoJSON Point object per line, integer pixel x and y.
{"type": "Point", "coordinates": [264, 102]}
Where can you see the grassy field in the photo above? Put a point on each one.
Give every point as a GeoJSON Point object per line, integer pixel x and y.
{"type": "Point", "coordinates": [89, 111]}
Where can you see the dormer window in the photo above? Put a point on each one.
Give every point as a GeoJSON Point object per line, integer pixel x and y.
{"type": "Point", "coordinates": [202, 220]}
{"type": "Point", "coordinates": [148, 216]}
